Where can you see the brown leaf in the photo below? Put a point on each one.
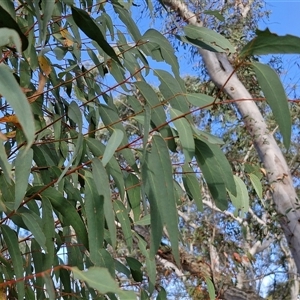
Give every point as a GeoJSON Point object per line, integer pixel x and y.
{"type": "Point", "coordinates": [44, 64]}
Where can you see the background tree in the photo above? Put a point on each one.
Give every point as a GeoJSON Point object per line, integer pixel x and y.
{"type": "Point", "coordinates": [103, 175]}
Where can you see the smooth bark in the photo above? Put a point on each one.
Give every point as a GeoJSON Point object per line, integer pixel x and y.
{"type": "Point", "coordinates": [278, 173]}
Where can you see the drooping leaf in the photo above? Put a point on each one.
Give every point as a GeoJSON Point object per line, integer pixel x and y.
{"type": "Point", "coordinates": [256, 184]}
{"type": "Point", "coordinates": [103, 188]}
{"type": "Point", "coordinates": [123, 218]}
{"type": "Point", "coordinates": [113, 143]}
{"type": "Point", "coordinates": [192, 186]}
{"type": "Point", "coordinates": [48, 228]}
{"type": "Point", "coordinates": [206, 136]}
{"type": "Point", "coordinates": [111, 119]}
{"type": "Point", "coordinates": [158, 182]}
{"type": "Point", "coordinates": [241, 201]}
{"type": "Point", "coordinates": [172, 91]}
{"type": "Point", "coordinates": [112, 166]}
{"type": "Point", "coordinates": [267, 42]}
{"type": "Point", "coordinates": [22, 171]}
{"type": "Point", "coordinates": [158, 115]}
{"type": "Point", "coordinates": [75, 115]}
{"type": "Point", "coordinates": [215, 13]}
{"type": "Point", "coordinates": [210, 288]}
{"type": "Point", "coordinates": [185, 133]}
{"type": "Point", "coordinates": [90, 29]}
{"type": "Point", "coordinates": [4, 163]}
{"type": "Point", "coordinates": [95, 217]}
{"type": "Point", "coordinates": [49, 286]}
{"type": "Point", "coordinates": [125, 17]}
{"type": "Point", "coordinates": [10, 36]}
{"type": "Point", "coordinates": [135, 267]}
{"type": "Point", "coordinates": [200, 100]}
{"type": "Point", "coordinates": [133, 190]}
{"type": "Point", "coordinates": [216, 171]}
{"type": "Point", "coordinates": [12, 244]}
{"type": "Point", "coordinates": [276, 97]}
{"type": "Point", "coordinates": [34, 225]}
{"type": "Point", "coordinates": [48, 7]}
{"type": "Point", "coordinates": [69, 213]}
{"type": "Point", "coordinates": [12, 92]}
{"type": "Point", "coordinates": [166, 50]}
{"type": "Point", "coordinates": [209, 37]}
{"type": "Point", "coordinates": [105, 285]}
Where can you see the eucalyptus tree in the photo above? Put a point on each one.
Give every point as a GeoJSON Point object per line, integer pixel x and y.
{"type": "Point", "coordinates": [88, 191]}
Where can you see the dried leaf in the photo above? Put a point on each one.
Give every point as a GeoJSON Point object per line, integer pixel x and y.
{"type": "Point", "coordinates": [11, 119]}
{"type": "Point", "coordinates": [3, 137]}
{"type": "Point", "coordinates": [68, 42]}
{"type": "Point", "coordinates": [44, 64]}
{"type": "Point", "coordinates": [39, 91]}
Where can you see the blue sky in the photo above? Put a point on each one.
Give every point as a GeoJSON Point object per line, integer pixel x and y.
{"type": "Point", "coordinates": [283, 20]}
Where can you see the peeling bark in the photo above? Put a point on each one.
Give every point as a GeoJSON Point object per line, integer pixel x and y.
{"type": "Point", "coordinates": [278, 173]}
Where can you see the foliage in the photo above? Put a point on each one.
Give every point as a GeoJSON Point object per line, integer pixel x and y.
{"type": "Point", "coordinates": [82, 175]}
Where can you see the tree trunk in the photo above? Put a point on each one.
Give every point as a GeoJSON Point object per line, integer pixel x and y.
{"type": "Point", "coordinates": [278, 174]}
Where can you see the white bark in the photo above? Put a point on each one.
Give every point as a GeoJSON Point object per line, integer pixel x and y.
{"type": "Point", "coordinates": [278, 174]}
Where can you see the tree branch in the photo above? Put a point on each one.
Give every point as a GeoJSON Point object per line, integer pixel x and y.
{"type": "Point", "coordinates": [278, 174]}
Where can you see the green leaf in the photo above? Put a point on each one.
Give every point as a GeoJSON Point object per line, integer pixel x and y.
{"type": "Point", "coordinates": [49, 286]}
{"type": "Point", "coordinates": [133, 190]}
{"type": "Point", "coordinates": [105, 285]}
{"type": "Point", "coordinates": [93, 205]}
{"type": "Point", "coordinates": [13, 94]}
{"type": "Point", "coordinates": [75, 115]}
{"type": "Point", "coordinates": [215, 13]}
{"type": "Point", "coordinates": [48, 228]}
{"type": "Point", "coordinates": [159, 187]}
{"type": "Point", "coordinates": [172, 91]}
{"type": "Point", "coordinates": [69, 213]}
{"type": "Point", "coordinates": [48, 7]}
{"type": "Point", "coordinates": [112, 167]}
{"type": "Point", "coordinates": [185, 134]}
{"type": "Point", "coordinates": [123, 218]}
{"type": "Point", "coordinates": [162, 295]}
{"type": "Point", "coordinates": [209, 37]}
{"type": "Point", "coordinates": [144, 221]}
{"type": "Point", "coordinates": [275, 95]}
{"type": "Point", "coordinates": [4, 163]}
{"type": "Point", "coordinates": [256, 184]}
{"type": "Point", "coordinates": [207, 137]}
{"type": "Point", "coordinates": [7, 21]}
{"type": "Point", "coordinates": [105, 260]}
{"type": "Point", "coordinates": [12, 244]}
{"type": "Point", "coordinates": [9, 7]}
{"type": "Point", "coordinates": [91, 30]}
{"type": "Point", "coordinates": [217, 172]}
{"type": "Point", "coordinates": [128, 21]}
{"type": "Point", "coordinates": [200, 100]}
{"type": "Point", "coordinates": [34, 225]}
{"type": "Point", "coordinates": [22, 171]}
{"type": "Point", "coordinates": [158, 115]}
{"type": "Point", "coordinates": [10, 36]}
{"type": "Point", "coordinates": [241, 200]}
{"type": "Point", "coordinates": [267, 42]}
{"type": "Point", "coordinates": [112, 145]}
{"type": "Point", "coordinates": [192, 186]}
{"type": "Point", "coordinates": [210, 288]}
{"type": "Point", "coordinates": [103, 188]}
{"type": "Point", "coordinates": [111, 119]}
{"type": "Point", "coordinates": [135, 267]}
{"type": "Point", "coordinates": [166, 50]}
